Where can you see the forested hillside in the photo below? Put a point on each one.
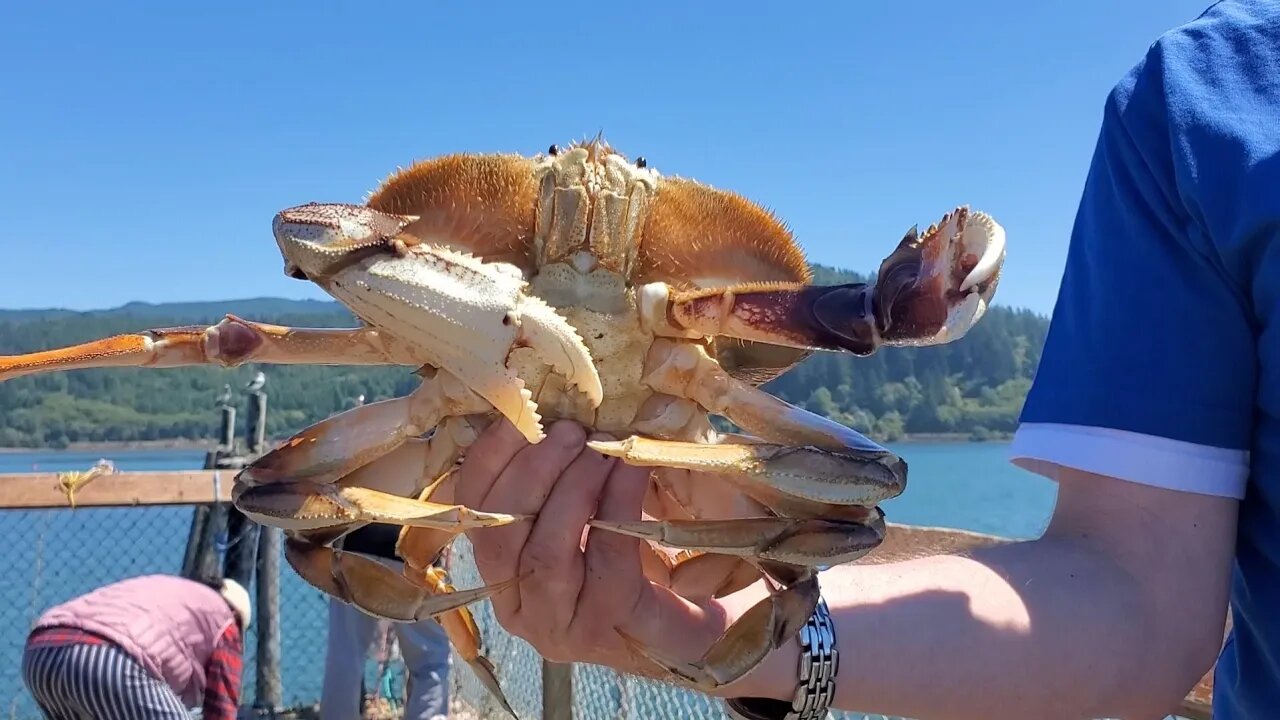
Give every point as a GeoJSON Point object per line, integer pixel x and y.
{"type": "Point", "coordinates": [974, 386]}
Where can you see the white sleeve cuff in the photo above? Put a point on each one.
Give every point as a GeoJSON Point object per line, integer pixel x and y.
{"type": "Point", "coordinates": [1145, 459]}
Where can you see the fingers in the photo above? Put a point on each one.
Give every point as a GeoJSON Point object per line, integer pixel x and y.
{"type": "Point", "coordinates": [611, 556]}
{"type": "Point", "coordinates": [553, 555]}
{"type": "Point", "coordinates": [522, 486]}
{"type": "Point", "coordinates": [576, 596]}
{"type": "Point", "coordinates": [487, 457]}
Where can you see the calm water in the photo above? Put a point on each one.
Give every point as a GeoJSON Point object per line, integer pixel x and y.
{"type": "Point", "coordinates": [54, 555]}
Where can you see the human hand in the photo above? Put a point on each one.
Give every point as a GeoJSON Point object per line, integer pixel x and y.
{"type": "Point", "coordinates": [575, 596]}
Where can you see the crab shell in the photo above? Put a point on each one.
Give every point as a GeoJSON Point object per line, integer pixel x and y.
{"type": "Point", "coordinates": [579, 284]}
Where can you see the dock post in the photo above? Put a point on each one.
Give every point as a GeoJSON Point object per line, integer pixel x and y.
{"type": "Point", "coordinates": [227, 436]}
{"type": "Point", "coordinates": [257, 429]}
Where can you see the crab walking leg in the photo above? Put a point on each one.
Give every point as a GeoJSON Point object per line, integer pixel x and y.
{"type": "Point", "coordinates": [305, 506]}
{"type": "Point", "coordinates": [341, 444]}
{"type": "Point", "coordinates": [798, 541]}
{"type": "Point", "coordinates": [823, 483]}
{"type": "Point", "coordinates": [418, 545]}
{"type": "Point", "coordinates": [464, 635]}
{"type": "Point", "coordinates": [380, 491]}
{"type": "Point", "coordinates": [802, 455]}
{"type": "Point", "coordinates": [374, 587]}
{"type": "Point", "coordinates": [229, 343]}
{"type": "Point", "coordinates": [685, 370]}
{"type": "Point", "coordinates": [749, 640]}
{"type": "Point", "coordinates": [932, 289]}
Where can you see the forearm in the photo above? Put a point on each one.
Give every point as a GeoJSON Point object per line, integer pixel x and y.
{"type": "Point", "coordinates": [1046, 629]}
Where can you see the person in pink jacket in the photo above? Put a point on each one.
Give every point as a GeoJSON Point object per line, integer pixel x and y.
{"type": "Point", "coordinates": [150, 646]}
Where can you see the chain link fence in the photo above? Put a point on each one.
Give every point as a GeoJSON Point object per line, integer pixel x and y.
{"type": "Point", "coordinates": [54, 555]}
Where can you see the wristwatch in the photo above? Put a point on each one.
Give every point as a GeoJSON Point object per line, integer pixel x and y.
{"type": "Point", "coordinates": [819, 663]}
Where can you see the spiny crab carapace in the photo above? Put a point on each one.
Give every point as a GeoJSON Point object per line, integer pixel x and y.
{"type": "Point", "coordinates": [579, 284]}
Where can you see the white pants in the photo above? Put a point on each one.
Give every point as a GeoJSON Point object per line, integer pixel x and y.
{"type": "Point", "coordinates": [423, 645]}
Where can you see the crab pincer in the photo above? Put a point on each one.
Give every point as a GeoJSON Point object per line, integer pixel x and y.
{"type": "Point", "coordinates": [460, 313]}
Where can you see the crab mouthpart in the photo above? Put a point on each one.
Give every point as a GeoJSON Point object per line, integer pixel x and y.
{"type": "Point", "coordinates": [938, 284]}
{"type": "Point", "coordinates": [318, 239]}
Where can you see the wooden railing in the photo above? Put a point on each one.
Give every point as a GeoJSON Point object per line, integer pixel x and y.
{"type": "Point", "coordinates": [123, 489]}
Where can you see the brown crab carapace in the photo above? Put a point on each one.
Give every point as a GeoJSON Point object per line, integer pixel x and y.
{"type": "Point", "coordinates": [579, 284]}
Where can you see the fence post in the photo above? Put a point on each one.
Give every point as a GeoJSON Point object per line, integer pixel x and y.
{"type": "Point", "coordinates": [242, 533]}
{"type": "Point", "coordinates": [269, 694]}
{"type": "Point", "coordinates": [242, 548]}
{"type": "Point", "coordinates": [557, 690]}
{"type": "Point", "coordinates": [198, 559]}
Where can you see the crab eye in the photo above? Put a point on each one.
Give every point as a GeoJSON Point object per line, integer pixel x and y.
{"type": "Point", "coordinates": [641, 162]}
{"type": "Point", "coordinates": [553, 150]}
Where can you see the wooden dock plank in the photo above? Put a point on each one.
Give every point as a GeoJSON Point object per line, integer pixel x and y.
{"type": "Point", "coordinates": [121, 489]}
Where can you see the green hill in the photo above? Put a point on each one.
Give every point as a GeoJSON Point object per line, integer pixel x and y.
{"type": "Point", "coordinates": [974, 386]}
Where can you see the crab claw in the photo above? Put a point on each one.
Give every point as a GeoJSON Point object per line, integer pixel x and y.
{"type": "Point", "coordinates": [462, 314]}
{"type": "Point", "coordinates": [929, 291]}
{"type": "Point", "coordinates": [936, 286]}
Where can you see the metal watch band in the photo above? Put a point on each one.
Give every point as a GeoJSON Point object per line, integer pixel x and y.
{"type": "Point", "coordinates": [819, 663]}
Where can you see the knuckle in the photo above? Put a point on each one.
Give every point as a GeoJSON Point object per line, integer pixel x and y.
{"type": "Point", "coordinates": [592, 628]}
{"type": "Point", "coordinates": [541, 562]}
{"type": "Point", "coordinates": [566, 435]}
{"type": "Point", "coordinates": [489, 558]}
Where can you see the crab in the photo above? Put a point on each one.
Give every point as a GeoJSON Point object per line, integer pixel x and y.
{"type": "Point", "coordinates": [579, 284]}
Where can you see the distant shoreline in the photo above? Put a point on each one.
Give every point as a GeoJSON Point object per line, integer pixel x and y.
{"type": "Point", "coordinates": [175, 444]}
{"type": "Point", "coordinates": [179, 444]}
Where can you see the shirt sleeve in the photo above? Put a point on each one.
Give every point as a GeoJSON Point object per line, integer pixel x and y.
{"type": "Point", "coordinates": [1149, 368]}
{"type": "Point", "coordinates": [222, 676]}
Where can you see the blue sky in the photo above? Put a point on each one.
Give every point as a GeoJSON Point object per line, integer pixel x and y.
{"type": "Point", "coordinates": [145, 146]}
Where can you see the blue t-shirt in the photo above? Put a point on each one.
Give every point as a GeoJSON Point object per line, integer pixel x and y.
{"type": "Point", "coordinates": [1162, 364]}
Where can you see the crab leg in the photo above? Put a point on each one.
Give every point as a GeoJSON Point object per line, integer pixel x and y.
{"type": "Point", "coordinates": [339, 445]}
{"type": "Point", "coordinates": [825, 481]}
{"type": "Point", "coordinates": [930, 290]}
{"type": "Point", "coordinates": [749, 640]}
{"type": "Point", "coordinates": [702, 575]}
{"type": "Point", "coordinates": [804, 458]}
{"type": "Point", "coordinates": [229, 343]}
{"type": "Point", "coordinates": [812, 542]}
{"type": "Point", "coordinates": [304, 506]}
{"type": "Point", "coordinates": [375, 588]}
{"type": "Point", "coordinates": [464, 635]}
{"type": "Point", "coordinates": [419, 545]}
{"type": "Point", "coordinates": [321, 477]}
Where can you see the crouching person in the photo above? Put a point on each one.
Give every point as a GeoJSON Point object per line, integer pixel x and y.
{"type": "Point", "coordinates": [145, 647]}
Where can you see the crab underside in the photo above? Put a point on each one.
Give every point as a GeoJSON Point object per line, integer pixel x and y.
{"type": "Point", "coordinates": [577, 284]}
